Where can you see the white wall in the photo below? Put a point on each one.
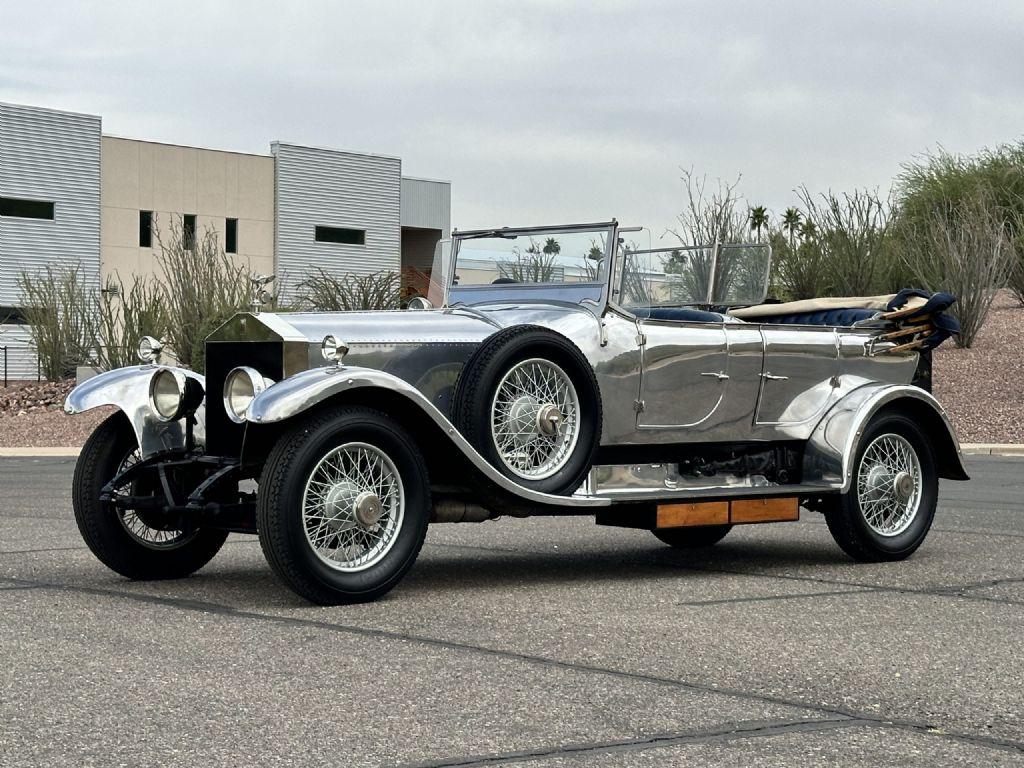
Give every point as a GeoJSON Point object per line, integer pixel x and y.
{"type": "Point", "coordinates": [53, 156]}
{"type": "Point", "coordinates": [322, 187]}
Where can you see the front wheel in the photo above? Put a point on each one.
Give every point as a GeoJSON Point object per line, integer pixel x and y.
{"type": "Point", "coordinates": [343, 506]}
{"type": "Point", "coordinates": [889, 508]}
{"type": "Point", "coordinates": [139, 544]}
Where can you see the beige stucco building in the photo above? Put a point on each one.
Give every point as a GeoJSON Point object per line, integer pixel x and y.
{"type": "Point", "coordinates": [72, 196]}
{"type": "Point", "coordinates": [168, 182]}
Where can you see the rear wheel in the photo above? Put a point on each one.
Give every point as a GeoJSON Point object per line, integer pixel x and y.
{"type": "Point", "coordinates": [889, 508]}
{"type": "Point", "coordinates": [696, 537]}
{"type": "Point", "coordinates": [136, 544]}
{"type": "Point", "coordinates": [343, 506]}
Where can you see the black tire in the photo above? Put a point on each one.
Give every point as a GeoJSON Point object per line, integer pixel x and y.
{"type": "Point", "coordinates": [480, 379]}
{"type": "Point", "coordinates": [100, 523]}
{"type": "Point", "coordinates": [846, 520]}
{"type": "Point", "coordinates": [279, 513]}
{"type": "Point", "coordinates": [696, 537]}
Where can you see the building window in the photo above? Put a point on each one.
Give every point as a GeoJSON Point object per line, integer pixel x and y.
{"type": "Point", "coordinates": [12, 316]}
{"type": "Point", "coordinates": [26, 209]}
{"type": "Point", "coordinates": [341, 235]}
{"type": "Point", "coordinates": [145, 229]}
{"type": "Point", "coordinates": [188, 231]}
{"type": "Point", "coordinates": [231, 235]}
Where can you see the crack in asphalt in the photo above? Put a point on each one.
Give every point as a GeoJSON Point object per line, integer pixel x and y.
{"type": "Point", "coordinates": [703, 736]}
{"type": "Point", "coordinates": [383, 634]}
{"type": "Point", "coordinates": [768, 598]}
{"type": "Point", "coordinates": [856, 587]}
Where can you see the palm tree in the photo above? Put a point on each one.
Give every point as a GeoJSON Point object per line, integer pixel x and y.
{"type": "Point", "coordinates": [809, 230]}
{"type": "Point", "coordinates": [758, 219]}
{"type": "Point", "coordinates": [791, 223]}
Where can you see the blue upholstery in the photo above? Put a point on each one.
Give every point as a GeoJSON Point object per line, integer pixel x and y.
{"type": "Point", "coordinates": [678, 314]}
{"type": "Point", "coordinates": [829, 317]}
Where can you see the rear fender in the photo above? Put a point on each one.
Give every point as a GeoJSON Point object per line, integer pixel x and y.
{"type": "Point", "coordinates": [127, 389]}
{"type": "Point", "coordinates": [303, 391]}
{"type": "Point", "coordinates": [832, 448]}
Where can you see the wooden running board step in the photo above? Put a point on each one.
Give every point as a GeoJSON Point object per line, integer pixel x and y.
{"type": "Point", "coordinates": [735, 512]}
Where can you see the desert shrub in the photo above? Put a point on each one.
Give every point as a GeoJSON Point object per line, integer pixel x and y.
{"type": "Point", "coordinates": [942, 180]}
{"type": "Point", "coordinates": [201, 287]}
{"type": "Point", "coordinates": [59, 304]}
{"type": "Point", "coordinates": [798, 271]}
{"type": "Point", "coordinates": [126, 314]}
{"type": "Point", "coordinates": [854, 240]}
{"type": "Point", "coordinates": [338, 293]}
{"type": "Point", "coordinates": [964, 249]}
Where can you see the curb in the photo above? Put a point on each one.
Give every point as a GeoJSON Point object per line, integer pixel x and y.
{"type": "Point", "coordinates": [992, 449]}
{"type": "Point", "coordinates": [39, 452]}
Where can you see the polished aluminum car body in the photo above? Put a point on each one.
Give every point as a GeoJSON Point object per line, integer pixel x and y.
{"type": "Point", "coordinates": [670, 384]}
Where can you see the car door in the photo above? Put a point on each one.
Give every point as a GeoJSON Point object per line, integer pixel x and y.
{"type": "Point", "coordinates": [684, 373]}
{"type": "Point", "coordinates": [799, 375]}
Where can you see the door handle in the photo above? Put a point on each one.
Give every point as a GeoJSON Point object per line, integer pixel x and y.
{"type": "Point", "coordinates": [717, 374]}
{"type": "Point", "coordinates": [773, 377]}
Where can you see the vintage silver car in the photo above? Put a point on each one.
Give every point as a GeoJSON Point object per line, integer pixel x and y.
{"type": "Point", "coordinates": [547, 371]}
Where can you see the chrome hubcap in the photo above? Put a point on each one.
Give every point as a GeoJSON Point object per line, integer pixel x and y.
{"type": "Point", "coordinates": [889, 485]}
{"type": "Point", "coordinates": [353, 507]}
{"type": "Point", "coordinates": [535, 419]}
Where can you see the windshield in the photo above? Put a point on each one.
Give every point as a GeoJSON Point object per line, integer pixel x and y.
{"type": "Point", "coordinates": [683, 276]}
{"type": "Point", "coordinates": [536, 256]}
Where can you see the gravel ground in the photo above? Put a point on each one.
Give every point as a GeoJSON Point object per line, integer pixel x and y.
{"type": "Point", "coordinates": [980, 387]}
{"type": "Point", "coordinates": [983, 387]}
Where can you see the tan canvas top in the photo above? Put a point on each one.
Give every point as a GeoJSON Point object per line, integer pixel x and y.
{"type": "Point", "coordinates": [817, 305]}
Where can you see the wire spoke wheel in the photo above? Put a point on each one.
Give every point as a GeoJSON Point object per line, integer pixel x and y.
{"type": "Point", "coordinates": [535, 417]}
{"type": "Point", "coordinates": [889, 484]}
{"type": "Point", "coordinates": [137, 525]}
{"type": "Point", "coordinates": [353, 506]}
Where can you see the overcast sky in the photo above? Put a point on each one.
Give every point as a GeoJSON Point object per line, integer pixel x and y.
{"type": "Point", "coordinates": [544, 112]}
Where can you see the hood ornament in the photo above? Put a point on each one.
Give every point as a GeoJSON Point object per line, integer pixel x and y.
{"type": "Point", "coordinates": [260, 294]}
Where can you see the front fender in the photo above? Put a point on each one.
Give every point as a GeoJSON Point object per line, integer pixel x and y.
{"type": "Point", "coordinates": [832, 447]}
{"type": "Point", "coordinates": [302, 391]}
{"type": "Point", "coordinates": [127, 389]}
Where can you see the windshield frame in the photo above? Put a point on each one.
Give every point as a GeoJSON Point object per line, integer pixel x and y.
{"type": "Point", "coordinates": [529, 291]}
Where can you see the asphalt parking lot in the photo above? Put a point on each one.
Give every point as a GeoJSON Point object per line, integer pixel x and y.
{"type": "Point", "coordinates": [536, 642]}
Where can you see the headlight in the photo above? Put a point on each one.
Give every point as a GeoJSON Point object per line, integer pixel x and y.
{"type": "Point", "coordinates": [149, 349]}
{"type": "Point", "coordinates": [332, 350]}
{"type": "Point", "coordinates": [240, 387]}
{"type": "Point", "coordinates": [173, 395]}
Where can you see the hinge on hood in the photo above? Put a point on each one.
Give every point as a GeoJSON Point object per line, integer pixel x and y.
{"type": "Point", "coordinates": [638, 406]}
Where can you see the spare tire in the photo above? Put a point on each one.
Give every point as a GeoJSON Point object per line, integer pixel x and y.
{"type": "Point", "coordinates": [528, 401]}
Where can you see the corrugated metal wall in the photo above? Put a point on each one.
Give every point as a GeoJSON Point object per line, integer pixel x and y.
{"type": "Point", "coordinates": [53, 156]}
{"type": "Point", "coordinates": [21, 363]}
{"type": "Point", "coordinates": [427, 204]}
{"type": "Point", "coordinates": [322, 187]}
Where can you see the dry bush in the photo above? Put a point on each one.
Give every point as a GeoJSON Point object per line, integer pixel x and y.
{"type": "Point", "coordinates": [965, 250]}
{"type": "Point", "coordinates": [853, 236]}
{"type": "Point", "coordinates": [126, 315]}
{"type": "Point", "coordinates": [59, 306]}
{"type": "Point", "coordinates": [341, 293]}
{"type": "Point", "coordinates": [202, 288]}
